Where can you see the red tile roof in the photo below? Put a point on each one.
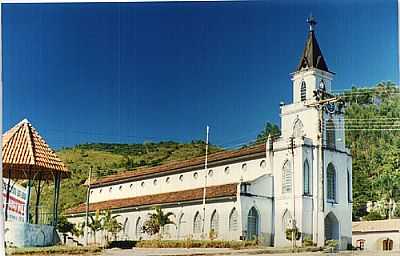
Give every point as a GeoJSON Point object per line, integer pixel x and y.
{"type": "Point", "coordinates": [177, 165]}
{"type": "Point", "coordinates": [26, 154]}
{"type": "Point", "coordinates": [157, 199]}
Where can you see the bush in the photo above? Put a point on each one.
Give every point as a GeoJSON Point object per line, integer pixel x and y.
{"type": "Point", "coordinates": [189, 243]}
{"type": "Point", "coordinates": [373, 215]}
{"type": "Point", "coordinates": [127, 244]}
{"type": "Point", "coordinates": [332, 245]}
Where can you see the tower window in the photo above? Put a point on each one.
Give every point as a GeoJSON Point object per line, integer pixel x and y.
{"type": "Point", "coordinates": [303, 91]}
{"type": "Point", "coordinates": [330, 134]}
{"type": "Point", "coordinates": [331, 183]}
{"type": "Point", "coordinates": [307, 178]}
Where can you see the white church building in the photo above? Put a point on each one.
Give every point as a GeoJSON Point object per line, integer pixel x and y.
{"type": "Point", "coordinates": [303, 177]}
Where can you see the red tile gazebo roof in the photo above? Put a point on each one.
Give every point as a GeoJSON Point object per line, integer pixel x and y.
{"type": "Point", "coordinates": [27, 155]}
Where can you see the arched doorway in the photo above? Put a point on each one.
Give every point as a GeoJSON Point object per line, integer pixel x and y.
{"type": "Point", "coordinates": [331, 227]}
{"type": "Point", "coordinates": [252, 224]}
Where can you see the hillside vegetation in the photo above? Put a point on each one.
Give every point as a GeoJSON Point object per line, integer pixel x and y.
{"type": "Point", "coordinates": [109, 159]}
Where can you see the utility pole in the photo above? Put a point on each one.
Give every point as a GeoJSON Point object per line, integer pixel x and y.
{"type": "Point", "coordinates": [291, 149]}
{"type": "Point", "coordinates": [205, 183]}
{"type": "Point", "coordinates": [87, 207]}
{"type": "Point", "coordinates": [2, 225]}
{"type": "Point", "coordinates": [324, 102]}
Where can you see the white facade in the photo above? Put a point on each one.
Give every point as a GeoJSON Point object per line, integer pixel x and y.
{"type": "Point", "coordinates": [275, 186]}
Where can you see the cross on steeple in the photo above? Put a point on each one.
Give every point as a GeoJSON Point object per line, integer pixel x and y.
{"type": "Point", "coordinates": [311, 21]}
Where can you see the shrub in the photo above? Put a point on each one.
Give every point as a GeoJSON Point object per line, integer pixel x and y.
{"type": "Point", "coordinates": [332, 244]}
{"type": "Point", "coordinates": [126, 244]}
{"type": "Point", "coordinates": [190, 243]}
{"type": "Point", "coordinates": [289, 232]}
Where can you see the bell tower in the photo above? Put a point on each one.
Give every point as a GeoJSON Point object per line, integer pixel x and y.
{"type": "Point", "coordinates": [312, 71]}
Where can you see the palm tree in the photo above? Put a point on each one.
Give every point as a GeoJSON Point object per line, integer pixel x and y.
{"type": "Point", "coordinates": [157, 221]}
{"type": "Point", "coordinates": [96, 224]}
{"type": "Point", "coordinates": [111, 224]}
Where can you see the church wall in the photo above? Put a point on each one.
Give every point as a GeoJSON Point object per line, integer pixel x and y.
{"type": "Point", "coordinates": [182, 181]}
{"type": "Point", "coordinates": [184, 230]}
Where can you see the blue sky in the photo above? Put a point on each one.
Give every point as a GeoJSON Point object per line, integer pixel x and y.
{"type": "Point", "coordinates": [135, 72]}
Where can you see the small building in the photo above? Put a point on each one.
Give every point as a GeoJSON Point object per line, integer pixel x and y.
{"type": "Point", "coordinates": [378, 235]}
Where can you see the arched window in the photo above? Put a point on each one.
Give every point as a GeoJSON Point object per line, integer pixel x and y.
{"type": "Point", "coordinates": [286, 220]}
{"type": "Point", "coordinates": [287, 177]}
{"type": "Point", "coordinates": [252, 224]}
{"type": "Point", "coordinates": [233, 220]}
{"type": "Point", "coordinates": [197, 223]}
{"type": "Point", "coordinates": [331, 183]}
{"type": "Point", "coordinates": [214, 222]}
{"type": "Point", "coordinates": [303, 90]}
{"type": "Point", "coordinates": [349, 192]}
{"type": "Point", "coordinates": [180, 225]}
{"type": "Point", "coordinates": [330, 134]}
{"type": "Point", "coordinates": [307, 178]}
{"type": "Point", "coordinates": [138, 229]}
{"type": "Point", "coordinates": [298, 128]}
{"type": "Point", "coordinates": [125, 228]}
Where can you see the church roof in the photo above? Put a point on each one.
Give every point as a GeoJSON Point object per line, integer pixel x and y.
{"type": "Point", "coordinates": [180, 166]}
{"type": "Point", "coordinates": [312, 55]}
{"type": "Point", "coordinates": [227, 190]}
{"type": "Point", "coordinates": [26, 154]}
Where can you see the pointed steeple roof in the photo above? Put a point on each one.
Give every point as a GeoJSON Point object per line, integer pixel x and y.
{"type": "Point", "coordinates": [27, 155]}
{"type": "Point", "coordinates": [312, 56]}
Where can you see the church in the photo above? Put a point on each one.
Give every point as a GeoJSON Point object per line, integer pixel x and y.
{"type": "Point", "coordinates": [301, 179]}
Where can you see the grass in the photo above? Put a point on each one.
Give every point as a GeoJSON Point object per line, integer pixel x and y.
{"type": "Point", "coordinates": [51, 250]}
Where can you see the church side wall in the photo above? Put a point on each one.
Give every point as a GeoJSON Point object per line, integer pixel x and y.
{"type": "Point", "coordinates": [183, 229]}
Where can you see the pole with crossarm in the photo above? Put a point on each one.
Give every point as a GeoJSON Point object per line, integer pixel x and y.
{"type": "Point", "coordinates": [205, 183]}
{"type": "Point", "coordinates": [2, 249]}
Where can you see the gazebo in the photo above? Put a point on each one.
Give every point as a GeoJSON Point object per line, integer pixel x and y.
{"type": "Point", "coordinates": [26, 156]}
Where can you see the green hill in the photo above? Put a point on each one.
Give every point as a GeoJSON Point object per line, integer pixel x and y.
{"type": "Point", "coordinates": [108, 159]}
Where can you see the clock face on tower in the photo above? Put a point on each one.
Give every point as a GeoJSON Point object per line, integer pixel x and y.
{"type": "Point", "coordinates": [322, 85]}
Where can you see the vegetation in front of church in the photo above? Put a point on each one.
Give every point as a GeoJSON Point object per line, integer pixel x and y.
{"type": "Point", "coordinates": [192, 243]}
{"type": "Point", "coordinates": [55, 250]}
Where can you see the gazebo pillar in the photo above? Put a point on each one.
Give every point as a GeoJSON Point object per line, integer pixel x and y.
{"type": "Point", "coordinates": [57, 183]}
{"type": "Point", "coordinates": [28, 199]}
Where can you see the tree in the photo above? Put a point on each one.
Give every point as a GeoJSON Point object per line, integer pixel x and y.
{"type": "Point", "coordinates": [96, 224]}
{"type": "Point", "coordinates": [64, 226]}
{"type": "Point", "coordinates": [269, 129]}
{"type": "Point", "coordinates": [111, 225]}
{"type": "Point", "coordinates": [157, 221]}
{"type": "Point", "coordinates": [79, 229]}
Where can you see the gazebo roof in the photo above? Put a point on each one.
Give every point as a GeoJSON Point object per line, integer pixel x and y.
{"type": "Point", "coordinates": [27, 155]}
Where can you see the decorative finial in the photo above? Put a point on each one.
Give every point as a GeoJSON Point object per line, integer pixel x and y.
{"type": "Point", "coordinates": [311, 21]}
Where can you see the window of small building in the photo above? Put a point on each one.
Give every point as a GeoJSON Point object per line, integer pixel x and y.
{"type": "Point", "coordinates": [131, 185]}
{"type": "Point", "coordinates": [120, 187]}
{"type": "Point", "coordinates": [155, 182]}
{"type": "Point", "coordinates": [110, 189]}
{"type": "Point", "coordinates": [195, 175]}
{"type": "Point", "coordinates": [181, 177]}
{"type": "Point", "coordinates": [244, 167]}
{"type": "Point", "coordinates": [210, 173]}
{"type": "Point", "coordinates": [167, 180]}
{"type": "Point", "coordinates": [142, 184]}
